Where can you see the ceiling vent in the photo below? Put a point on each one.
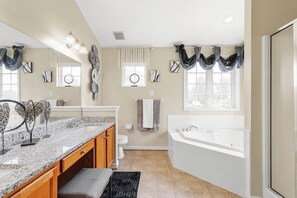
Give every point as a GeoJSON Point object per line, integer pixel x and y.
{"type": "Point", "coordinates": [119, 35]}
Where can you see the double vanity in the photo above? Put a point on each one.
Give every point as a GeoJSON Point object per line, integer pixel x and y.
{"type": "Point", "coordinates": [40, 170]}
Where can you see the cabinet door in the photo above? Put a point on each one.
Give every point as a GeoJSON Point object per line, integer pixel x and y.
{"type": "Point", "coordinates": [44, 186]}
{"type": "Point", "coordinates": [101, 151]}
{"type": "Point", "coordinates": [110, 146]}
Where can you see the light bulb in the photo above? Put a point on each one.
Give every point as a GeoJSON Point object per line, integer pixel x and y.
{"type": "Point", "coordinates": [229, 19]}
{"type": "Point", "coordinates": [77, 45]}
{"type": "Point", "coordinates": [83, 49]}
{"type": "Point", "coordinates": [70, 40]}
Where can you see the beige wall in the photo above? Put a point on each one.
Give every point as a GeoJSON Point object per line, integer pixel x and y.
{"type": "Point", "coordinates": [32, 86]}
{"type": "Point", "coordinates": [49, 22]}
{"type": "Point", "coordinates": [266, 17]}
{"type": "Point", "coordinates": [169, 89]}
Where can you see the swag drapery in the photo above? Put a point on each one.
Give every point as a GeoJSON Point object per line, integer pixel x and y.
{"type": "Point", "coordinates": [15, 62]}
{"type": "Point", "coordinates": [207, 63]}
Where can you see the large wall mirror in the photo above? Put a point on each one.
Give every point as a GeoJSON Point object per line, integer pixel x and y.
{"type": "Point", "coordinates": [45, 74]}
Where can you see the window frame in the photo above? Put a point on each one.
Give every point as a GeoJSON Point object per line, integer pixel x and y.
{"type": "Point", "coordinates": [124, 74]}
{"type": "Point", "coordinates": [17, 84]}
{"type": "Point", "coordinates": [60, 78]}
{"type": "Point", "coordinates": [235, 92]}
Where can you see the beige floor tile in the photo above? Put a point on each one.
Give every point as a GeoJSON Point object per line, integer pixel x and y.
{"type": "Point", "coordinates": [201, 195]}
{"type": "Point", "coordinates": [176, 176]}
{"type": "Point", "coordinates": [147, 167]}
{"type": "Point", "coordinates": [146, 194]}
{"type": "Point", "coordinates": [191, 177]}
{"type": "Point", "coordinates": [165, 194]}
{"type": "Point", "coordinates": [212, 188]}
{"type": "Point", "coordinates": [219, 194]}
{"type": "Point", "coordinates": [163, 175]}
{"type": "Point", "coordinates": [183, 194]}
{"type": "Point", "coordinates": [164, 185]}
{"type": "Point", "coordinates": [149, 161]}
{"type": "Point", "coordinates": [148, 175]}
{"type": "Point", "coordinates": [232, 195]}
{"type": "Point", "coordinates": [162, 169]}
{"type": "Point", "coordinates": [196, 186]}
{"type": "Point", "coordinates": [147, 185]}
{"type": "Point", "coordinates": [159, 179]}
{"type": "Point", "coordinates": [180, 185]}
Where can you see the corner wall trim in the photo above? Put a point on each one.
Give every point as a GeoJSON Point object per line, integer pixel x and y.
{"type": "Point", "coordinates": [165, 148]}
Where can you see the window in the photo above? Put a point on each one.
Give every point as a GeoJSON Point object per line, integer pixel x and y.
{"type": "Point", "coordinates": [211, 90]}
{"type": "Point", "coordinates": [130, 68]}
{"type": "Point", "coordinates": [65, 69]}
{"type": "Point", "coordinates": [9, 84]}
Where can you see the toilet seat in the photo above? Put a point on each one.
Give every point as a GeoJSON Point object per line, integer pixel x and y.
{"type": "Point", "coordinates": [122, 139]}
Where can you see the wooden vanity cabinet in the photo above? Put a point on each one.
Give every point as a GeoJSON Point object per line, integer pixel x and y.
{"type": "Point", "coordinates": [101, 151]}
{"type": "Point", "coordinates": [110, 146]}
{"type": "Point", "coordinates": [105, 149]}
{"type": "Point", "coordinates": [44, 186]}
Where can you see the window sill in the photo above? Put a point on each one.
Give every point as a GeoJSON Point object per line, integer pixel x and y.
{"type": "Point", "coordinates": [213, 109]}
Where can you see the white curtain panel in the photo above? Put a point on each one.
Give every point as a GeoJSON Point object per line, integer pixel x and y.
{"type": "Point", "coordinates": [133, 55]}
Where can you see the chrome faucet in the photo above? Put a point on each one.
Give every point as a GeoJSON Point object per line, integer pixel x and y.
{"type": "Point", "coordinates": [191, 127]}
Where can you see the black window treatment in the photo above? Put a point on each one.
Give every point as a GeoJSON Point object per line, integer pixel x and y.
{"type": "Point", "coordinates": [15, 62]}
{"type": "Point", "coordinates": [207, 63]}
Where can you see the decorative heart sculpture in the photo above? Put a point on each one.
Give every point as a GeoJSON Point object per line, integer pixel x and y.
{"type": "Point", "coordinates": [38, 106]}
{"type": "Point", "coordinates": [47, 110]}
{"type": "Point", "coordinates": [4, 116]}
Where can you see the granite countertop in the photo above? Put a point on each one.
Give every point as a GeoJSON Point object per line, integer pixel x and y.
{"type": "Point", "coordinates": [22, 163]}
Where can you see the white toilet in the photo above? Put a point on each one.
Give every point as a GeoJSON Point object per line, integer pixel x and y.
{"type": "Point", "coordinates": [122, 141]}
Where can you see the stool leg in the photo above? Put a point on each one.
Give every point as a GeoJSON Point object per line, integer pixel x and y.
{"type": "Point", "coordinates": [110, 187]}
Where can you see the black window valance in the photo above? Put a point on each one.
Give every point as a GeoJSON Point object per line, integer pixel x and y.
{"type": "Point", "coordinates": [15, 62]}
{"type": "Point", "coordinates": [234, 61]}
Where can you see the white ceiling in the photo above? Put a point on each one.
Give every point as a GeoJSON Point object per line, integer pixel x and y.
{"type": "Point", "coordinates": [161, 23]}
{"type": "Point", "coordinates": [10, 36]}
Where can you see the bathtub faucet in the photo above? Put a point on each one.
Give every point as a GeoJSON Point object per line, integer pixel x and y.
{"type": "Point", "coordinates": [191, 127]}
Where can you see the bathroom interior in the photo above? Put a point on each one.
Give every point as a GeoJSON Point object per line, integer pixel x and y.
{"type": "Point", "coordinates": [131, 98]}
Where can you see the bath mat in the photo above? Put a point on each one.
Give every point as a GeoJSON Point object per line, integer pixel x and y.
{"type": "Point", "coordinates": [124, 185]}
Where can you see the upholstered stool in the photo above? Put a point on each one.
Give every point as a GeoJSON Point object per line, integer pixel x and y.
{"type": "Point", "coordinates": [87, 183]}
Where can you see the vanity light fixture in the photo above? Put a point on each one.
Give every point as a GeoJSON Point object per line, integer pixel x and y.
{"type": "Point", "coordinates": [72, 41]}
{"type": "Point", "coordinates": [77, 45]}
{"type": "Point", "coordinates": [83, 49]}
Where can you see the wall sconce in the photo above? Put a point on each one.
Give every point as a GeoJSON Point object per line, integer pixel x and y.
{"type": "Point", "coordinates": [72, 41]}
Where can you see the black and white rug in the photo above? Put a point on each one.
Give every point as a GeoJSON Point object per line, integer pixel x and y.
{"type": "Point", "coordinates": [124, 185]}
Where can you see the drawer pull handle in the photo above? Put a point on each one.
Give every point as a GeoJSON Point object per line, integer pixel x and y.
{"type": "Point", "coordinates": [82, 152]}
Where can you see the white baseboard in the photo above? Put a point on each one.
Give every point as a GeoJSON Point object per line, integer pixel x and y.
{"type": "Point", "coordinates": [165, 148]}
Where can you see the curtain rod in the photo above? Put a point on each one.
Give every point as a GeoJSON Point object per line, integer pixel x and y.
{"type": "Point", "coordinates": [209, 46]}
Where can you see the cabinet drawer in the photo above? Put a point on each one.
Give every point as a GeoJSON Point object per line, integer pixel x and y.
{"type": "Point", "coordinates": [76, 155]}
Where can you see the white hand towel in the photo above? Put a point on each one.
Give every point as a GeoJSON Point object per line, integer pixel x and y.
{"type": "Point", "coordinates": [148, 113]}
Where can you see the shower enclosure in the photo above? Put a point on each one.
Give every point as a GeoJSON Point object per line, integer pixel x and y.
{"type": "Point", "coordinates": [279, 103]}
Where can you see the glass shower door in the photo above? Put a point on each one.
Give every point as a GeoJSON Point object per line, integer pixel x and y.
{"type": "Point", "coordinates": [282, 118]}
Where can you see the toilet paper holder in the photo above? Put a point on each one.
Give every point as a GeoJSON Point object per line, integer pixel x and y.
{"type": "Point", "coordinates": [129, 126]}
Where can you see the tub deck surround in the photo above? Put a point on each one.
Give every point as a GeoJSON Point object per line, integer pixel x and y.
{"type": "Point", "coordinates": [217, 152]}
{"type": "Point", "coordinates": [31, 160]}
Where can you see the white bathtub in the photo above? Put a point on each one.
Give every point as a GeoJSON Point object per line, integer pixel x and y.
{"type": "Point", "coordinates": [214, 155]}
{"type": "Point", "coordinates": [228, 139]}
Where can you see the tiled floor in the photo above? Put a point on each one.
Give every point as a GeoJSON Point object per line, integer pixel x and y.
{"type": "Point", "coordinates": [160, 180]}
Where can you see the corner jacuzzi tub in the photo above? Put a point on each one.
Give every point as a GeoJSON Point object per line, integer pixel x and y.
{"type": "Point", "coordinates": [214, 155]}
